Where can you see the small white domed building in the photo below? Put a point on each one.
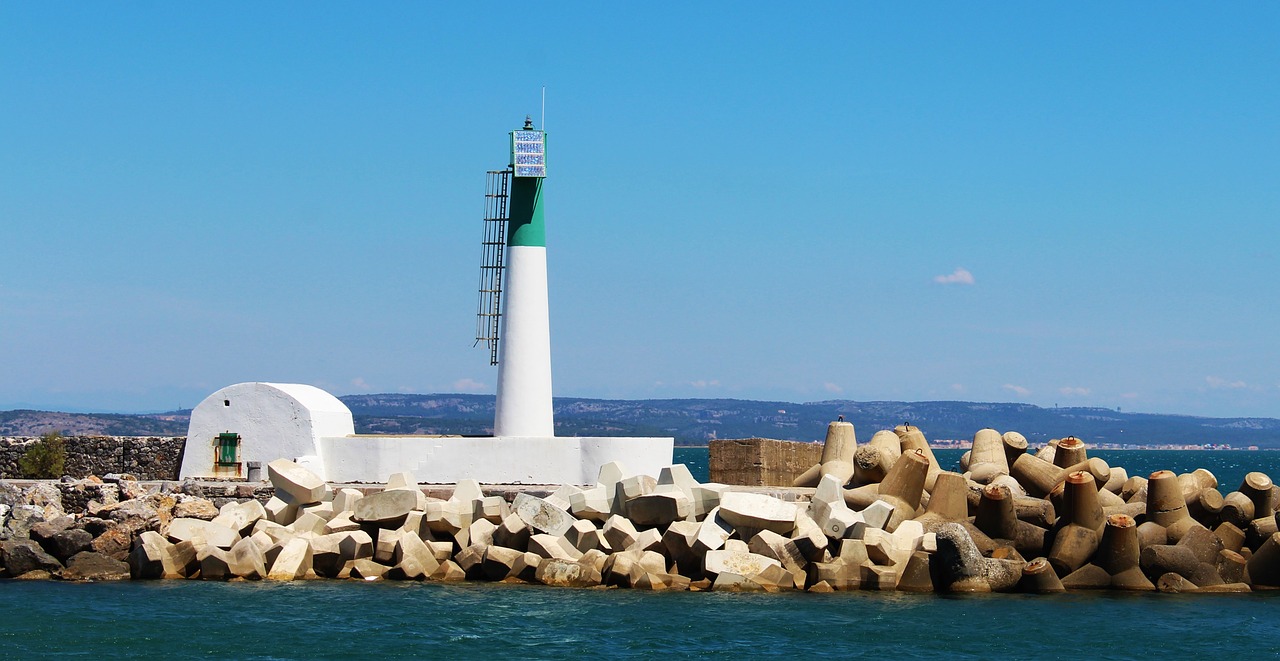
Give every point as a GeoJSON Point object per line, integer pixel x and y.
{"type": "Point", "coordinates": [262, 422]}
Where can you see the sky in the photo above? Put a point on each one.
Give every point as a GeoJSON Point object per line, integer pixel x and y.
{"type": "Point", "coordinates": [1070, 204]}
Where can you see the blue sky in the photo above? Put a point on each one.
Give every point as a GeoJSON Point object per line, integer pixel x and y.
{"type": "Point", "coordinates": [1055, 204]}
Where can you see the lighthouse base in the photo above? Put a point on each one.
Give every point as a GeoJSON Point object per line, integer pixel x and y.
{"type": "Point", "coordinates": [489, 459]}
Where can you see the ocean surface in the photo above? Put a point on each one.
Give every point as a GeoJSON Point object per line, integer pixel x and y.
{"type": "Point", "coordinates": [329, 619]}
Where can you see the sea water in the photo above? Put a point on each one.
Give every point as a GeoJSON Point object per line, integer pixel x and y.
{"type": "Point", "coordinates": [353, 619]}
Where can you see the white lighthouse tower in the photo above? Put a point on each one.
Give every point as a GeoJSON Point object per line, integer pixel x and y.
{"type": "Point", "coordinates": [524, 364]}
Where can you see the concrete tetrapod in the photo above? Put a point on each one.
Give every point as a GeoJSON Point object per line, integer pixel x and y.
{"type": "Point", "coordinates": [837, 456]}
{"type": "Point", "coordinates": [996, 517]}
{"type": "Point", "coordinates": [1077, 535]}
{"type": "Point", "coordinates": [1166, 505]}
{"type": "Point", "coordinates": [958, 566]}
{"type": "Point", "coordinates": [987, 459]}
{"type": "Point", "coordinates": [873, 460]}
{"type": "Point", "coordinates": [903, 486]}
{"type": "Point", "coordinates": [913, 439]}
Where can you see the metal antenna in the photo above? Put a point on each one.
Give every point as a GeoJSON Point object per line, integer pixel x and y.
{"type": "Point", "coordinates": [543, 124]}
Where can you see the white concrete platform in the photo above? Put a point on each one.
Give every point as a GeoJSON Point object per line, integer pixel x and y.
{"type": "Point", "coordinates": [489, 459]}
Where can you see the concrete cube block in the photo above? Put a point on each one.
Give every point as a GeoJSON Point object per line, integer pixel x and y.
{"type": "Point", "coordinates": [610, 474]}
{"type": "Point", "coordinates": [466, 491]}
{"type": "Point", "coordinates": [758, 511]}
{"type": "Point", "coordinates": [326, 554]}
{"type": "Point", "coordinates": [562, 497]}
{"type": "Point", "coordinates": [706, 497]}
{"type": "Point", "coordinates": [449, 572]}
{"type": "Point", "coordinates": [736, 546]}
{"type": "Point", "coordinates": [301, 485]}
{"type": "Point", "coordinates": [404, 481]}
{"type": "Point", "coordinates": [441, 550]}
{"type": "Point", "coordinates": [659, 509]}
{"type": "Point", "coordinates": [413, 560]}
{"type": "Point", "coordinates": [542, 516]}
{"type": "Point", "coordinates": [280, 511]}
{"type": "Point", "coordinates": [308, 522]}
{"type": "Point", "coordinates": [772, 545]}
{"type": "Point", "coordinates": [367, 569]}
{"type": "Point", "coordinates": [322, 510]}
{"type": "Point", "coordinates": [619, 532]}
{"type": "Point", "coordinates": [384, 549]}
{"type": "Point", "coordinates": [492, 508]}
{"type": "Point", "coordinates": [481, 532]}
{"type": "Point", "coordinates": [595, 504]}
{"type": "Point", "coordinates": [386, 509]}
{"type": "Point", "coordinates": [648, 540]}
{"type": "Point", "coordinates": [676, 478]}
{"type": "Point", "coordinates": [245, 560]}
{"type": "Point", "coordinates": [512, 533]}
{"type": "Point", "coordinates": [736, 562]}
{"type": "Point", "coordinates": [679, 541]}
{"type": "Point", "coordinates": [713, 532]}
{"type": "Point", "coordinates": [215, 563]}
{"type": "Point", "coordinates": [292, 562]}
{"type": "Point", "coordinates": [146, 560]}
{"type": "Point", "coordinates": [448, 517]}
{"type": "Point", "coordinates": [553, 546]}
{"type": "Point", "coordinates": [584, 536]}
{"type": "Point", "coordinates": [189, 530]}
{"type": "Point", "coordinates": [354, 545]}
{"type": "Point", "coordinates": [344, 500]}
{"type": "Point", "coordinates": [500, 562]}
{"type": "Point", "coordinates": [565, 573]}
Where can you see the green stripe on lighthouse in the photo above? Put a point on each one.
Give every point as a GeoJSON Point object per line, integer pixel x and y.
{"type": "Point", "coordinates": [526, 227]}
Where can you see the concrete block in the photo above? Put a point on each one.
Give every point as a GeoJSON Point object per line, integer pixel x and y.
{"type": "Point", "coordinates": [403, 481]}
{"type": "Point", "coordinates": [386, 509]}
{"type": "Point", "coordinates": [828, 509]}
{"type": "Point", "coordinates": [307, 522]}
{"type": "Point", "coordinates": [449, 572]}
{"type": "Point", "coordinates": [326, 555]}
{"type": "Point", "coordinates": [566, 573]}
{"type": "Point", "coordinates": [413, 560]}
{"type": "Point", "coordinates": [584, 536]}
{"type": "Point", "coordinates": [736, 546]}
{"type": "Point", "coordinates": [466, 491]}
{"type": "Point", "coordinates": [215, 563]}
{"type": "Point", "coordinates": [146, 560]}
{"type": "Point", "coordinates": [322, 510]}
{"type": "Point", "coordinates": [659, 509]}
{"type": "Point", "coordinates": [500, 562]}
{"type": "Point", "coordinates": [595, 504]}
{"type": "Point", "coordinates": [302, 486]}
{"type": "Point", "coordinates": [772, 545]}
{"type": "Point", "coordinates": [448, 517]}
{"type": "Point", "coordinates": [355, 544]}
{"type": "Point", "coordinates": [760, 461]}
{"type": "Point", "coordinates": [442, 550]}
{"type": "Point", "coordinates": [678, 542]}
{"type": "Point", "coordinates": [492, 508]}
{"type": "Point", "coordinates": [648, 540]}
{"type": "Point", "coordinates": [736, 562]}
{"type": "Point", "coordinates": [240, 517]}
{"type": "Point", "coordinates": [852, 552]}
{"type": "Point", "coordinates": [619, 532]}
{"type": "Point", "coordinates": [611, 474]}
{"type": "Point", "coordinates": [706, 497]}
{"type": "Point", "coordinates": [562, 497]}
{"type": "Point", "coordinates": [481, 532]}
{"type": "Point", "coordinates": [877, 514]}
{"type": "Point", "coordinates": [676, 478]}
{"type": "Point", "coordinates": [180, 560]}
{"type": "Point", "coordinates": [384, 549]}
{"type": "Point", "coordinates": [292, 562]}
{"type": "Point", "coordinates": [712, 533]}
{"type": "Point", "coordinates": [189, 530]}
{"type": "Point", "coordinates": [245, 560]}
{"type": "Point", "coordinates": [280, 511]}
{"type": "Point", "coordinates": [542, 516]}
{"type": "Point", "coordinates": [344, 500]}
{"type": "Point", "coordinates": [758, 511]}
{"type": "Point", "coordinates": [553, 546]}
{"type": "Point", "coordinates": [340, 523]}
{"type": "Point", "coordinates": [367, 569]}
{"type": "Point", "coordinates": [512, 533]}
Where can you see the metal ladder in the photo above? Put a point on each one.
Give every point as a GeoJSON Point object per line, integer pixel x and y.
{"type": "Point", "coordinates": [488, 316]}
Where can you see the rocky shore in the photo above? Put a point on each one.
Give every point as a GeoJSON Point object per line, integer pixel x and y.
{"type": "Point", "coordinates": [880, 516]}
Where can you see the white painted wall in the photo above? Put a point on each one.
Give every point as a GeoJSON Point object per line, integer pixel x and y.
{"type": "Point", "coordinates": [274, 420]}
{"type": "Point", "coordinates": [524, 368]}
{"type": "Point", "coordinates": [491, 460]}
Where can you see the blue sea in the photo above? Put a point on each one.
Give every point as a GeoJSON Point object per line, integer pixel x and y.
{"type": "Point", "coordinates": [329, 619]}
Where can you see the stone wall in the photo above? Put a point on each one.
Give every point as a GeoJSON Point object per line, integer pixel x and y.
{"type": "Point", "coordinates": [761, 461]}
{"type": "Point", "coordinates": [147, 458]}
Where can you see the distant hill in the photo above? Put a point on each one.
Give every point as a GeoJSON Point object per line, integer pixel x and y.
{"type": "Point", "coordinates": [696, 421]}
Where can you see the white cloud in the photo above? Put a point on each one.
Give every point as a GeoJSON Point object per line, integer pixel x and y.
{"type": "Point", "coordinates": [831, 387]}
{"type": "Point", "coordinates": [1074, 392]}
{"type": "Point", "coordinates": [468, 385]}
{"type": "Point", "coordinates": [702, 383]}
{"type": "Point", "coordinates": [1218, 383]}
{"type": "Point", "coordinates": [961, 276]}
{"type": "Point", "coordinates": [958, 387]}
{"type": "Point", "coordinates": [1129, 395]}
{"type": "Point", "coordinates": [1017, 390]}
{"type": "Point", "coordinates": [360, 384]}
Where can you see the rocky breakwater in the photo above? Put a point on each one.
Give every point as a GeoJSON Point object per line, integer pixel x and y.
{"type": "Point", "coordinates": [1012, 521]}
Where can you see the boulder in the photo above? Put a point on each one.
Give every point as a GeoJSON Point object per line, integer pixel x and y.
{"type": "Point", "coordinates": [66, 543]}
{"type": "Point", "coordinates": [19, 556]}
{"type": "Point", "coordinates": [190, 507]}
{"type": "Point", "coordinates": [93, 566]}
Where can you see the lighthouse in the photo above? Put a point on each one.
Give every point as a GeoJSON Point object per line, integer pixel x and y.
{"type": "Point", "coordinates": [523, 406]}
